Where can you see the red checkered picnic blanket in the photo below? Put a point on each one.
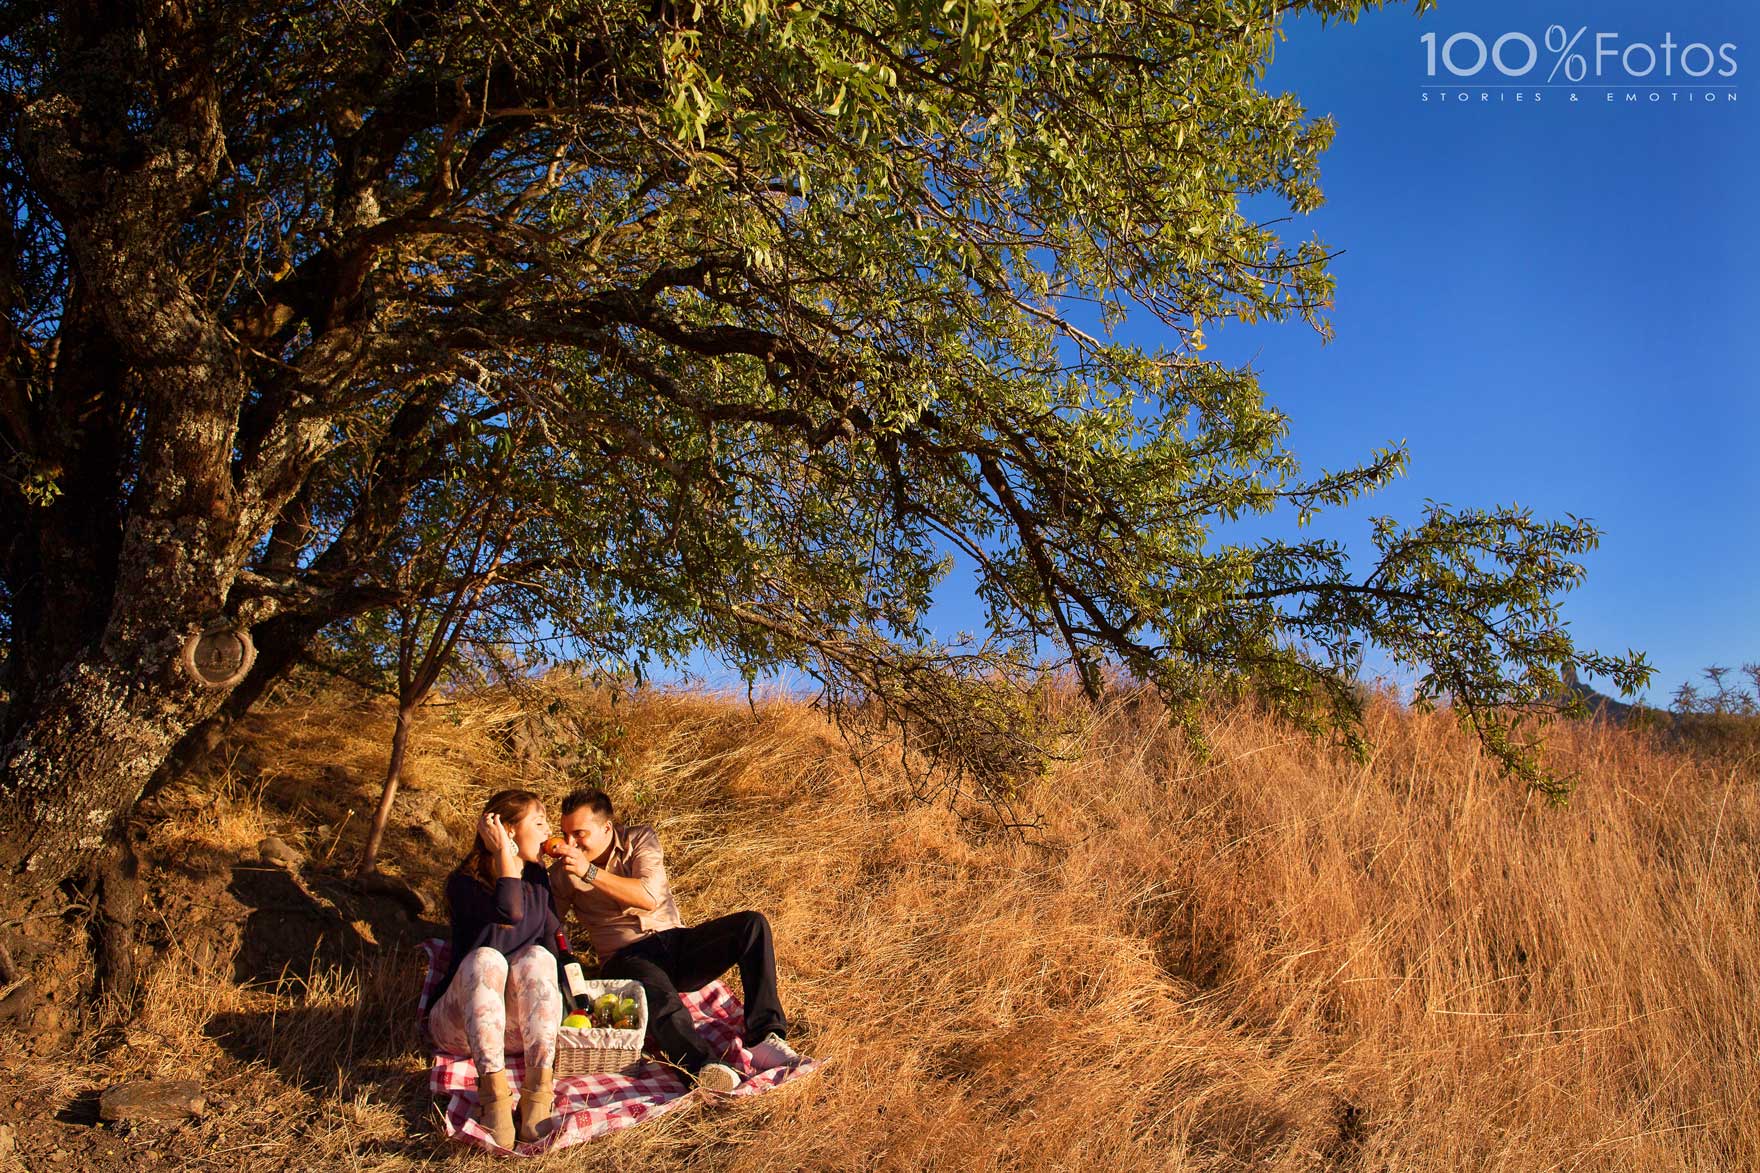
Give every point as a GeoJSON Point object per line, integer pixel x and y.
{"type": "Point", "coordinates": [589, 1106]}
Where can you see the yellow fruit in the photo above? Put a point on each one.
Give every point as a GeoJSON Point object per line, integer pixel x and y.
{"type": "Point", "coordinates": [576, 1019]}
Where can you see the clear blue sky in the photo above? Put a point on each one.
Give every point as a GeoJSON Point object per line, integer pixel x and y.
{"type": "Point", "coordinates": [1552, 303]}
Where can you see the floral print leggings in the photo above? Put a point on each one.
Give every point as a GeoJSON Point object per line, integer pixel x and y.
{"type": "Point", "coordinates": [497, 1004]}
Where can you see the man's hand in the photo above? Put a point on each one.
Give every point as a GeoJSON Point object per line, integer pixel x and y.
{"type": "Point", "coordinates": [574, 861]}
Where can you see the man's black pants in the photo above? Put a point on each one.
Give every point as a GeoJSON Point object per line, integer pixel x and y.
{"type": "Point", "coordinates": [689, 959]}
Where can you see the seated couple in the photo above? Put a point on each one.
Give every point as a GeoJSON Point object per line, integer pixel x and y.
{"type": "Point", "coordinates": [503, 991]}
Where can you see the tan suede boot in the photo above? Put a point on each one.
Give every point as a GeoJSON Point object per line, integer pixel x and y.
{"type": "Point", "coordinates": [537, 1102]}
{"type": "Point", "coordinates": [495, 1107]}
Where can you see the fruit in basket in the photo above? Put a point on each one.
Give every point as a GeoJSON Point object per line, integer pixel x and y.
{"type": "Point", "coordinates": [577, 1019]}
{"type": "Point", "coordinates": [624, 1022]}
{"type": "Point", "coordinates": [627, 1008]}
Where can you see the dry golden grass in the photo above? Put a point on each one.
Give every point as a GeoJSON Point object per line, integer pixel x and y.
{"type": "Point", "coordinates": [1277, 959]}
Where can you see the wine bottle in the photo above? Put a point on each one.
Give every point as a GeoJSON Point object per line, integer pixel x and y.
{"type": "Point", "coordinates": [574, 980]}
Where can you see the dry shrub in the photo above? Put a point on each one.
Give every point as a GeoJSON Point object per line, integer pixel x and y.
{"type": "Point", "coordinates": [1274, 959]}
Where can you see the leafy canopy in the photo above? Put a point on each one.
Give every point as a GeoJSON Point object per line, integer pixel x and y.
{"type": "Point", "coordinates": [788, 301]}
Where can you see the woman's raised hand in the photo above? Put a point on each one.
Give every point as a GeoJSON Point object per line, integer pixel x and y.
{"type": "Point", "coordinates": [499, 840]}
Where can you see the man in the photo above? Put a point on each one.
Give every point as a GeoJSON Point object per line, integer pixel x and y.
{"type": "Point", "coordinates": [613, 878]}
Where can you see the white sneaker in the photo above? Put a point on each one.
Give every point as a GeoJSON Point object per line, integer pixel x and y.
{"type": "Point", "coordinates": [773, 1052]}
{"type": "Point", "coordinates": [717, 1077]}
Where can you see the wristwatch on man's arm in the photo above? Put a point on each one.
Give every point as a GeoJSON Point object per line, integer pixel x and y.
{"type": "Point", "coordinates": [592, 870]}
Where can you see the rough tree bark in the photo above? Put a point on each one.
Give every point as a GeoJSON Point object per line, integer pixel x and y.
{"type": "Point", "coordinates": [87, 742]}
{"type": "Point", "coordinates": [108, 699]}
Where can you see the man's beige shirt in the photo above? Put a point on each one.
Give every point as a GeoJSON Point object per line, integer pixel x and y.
{"type": "Point", "coordinates": [635, 852]}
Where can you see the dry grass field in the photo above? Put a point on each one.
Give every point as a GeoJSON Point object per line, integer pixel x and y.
{"type": "Point", "coordinates": [1275, 959]}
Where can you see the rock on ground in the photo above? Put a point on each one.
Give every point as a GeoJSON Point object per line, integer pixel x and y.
{"type": "Point", "coordinates": [152, 1099]}
{"type": "Point", "coordinates": [276, 851]}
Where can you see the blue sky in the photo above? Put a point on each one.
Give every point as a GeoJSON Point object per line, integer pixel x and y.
{"type": "Point", "coordinates": [1552, 303]}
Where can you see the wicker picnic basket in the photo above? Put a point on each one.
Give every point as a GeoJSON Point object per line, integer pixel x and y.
{"type": "Point", "coordinates": [603, 1050]}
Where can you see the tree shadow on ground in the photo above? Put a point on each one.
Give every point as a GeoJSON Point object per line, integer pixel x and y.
{"type": "Point", "coordinates": [345, 1054]}
{"type": "Point", "coordinates": [339, 975]}
{"type": "Point", "coordinates": [309, 922]}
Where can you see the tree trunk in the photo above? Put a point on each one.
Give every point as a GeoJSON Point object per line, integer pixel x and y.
{"type": "Point", "coordinates": [79, 761]}
{"type": "Point", "coordinates": [61, 565]}
{"type": "Point", "coordinates": [113, 927]}
{"type": "Point", "coordinates": [136, 421]}
{"type": "Point", "coordinates": [280, 643]}
{"type": "Point", "coordinates": [376, 833]}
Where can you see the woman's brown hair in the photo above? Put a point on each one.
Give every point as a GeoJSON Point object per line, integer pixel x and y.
{"type": "Point", "coordinates": [510, 806]}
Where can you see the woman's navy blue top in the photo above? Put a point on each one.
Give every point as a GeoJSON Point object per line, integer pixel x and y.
{"type": "Point", "coordinates": [516, 912]}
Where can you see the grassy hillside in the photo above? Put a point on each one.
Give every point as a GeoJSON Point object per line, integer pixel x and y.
{"type": "Point", "coordinates": [1277, 959]}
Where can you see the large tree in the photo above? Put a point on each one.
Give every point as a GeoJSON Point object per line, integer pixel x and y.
{"type": "Point", "coordinates": [796, 294]}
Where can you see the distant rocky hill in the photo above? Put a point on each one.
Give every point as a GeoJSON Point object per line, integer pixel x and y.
{"type": "Point", "coordinates": [1598, 702]}
{"type": "Point", "coordinates": [1724, 733]}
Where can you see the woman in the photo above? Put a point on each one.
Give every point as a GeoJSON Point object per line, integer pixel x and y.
{"type": "Point", "coordinates": [501, 992]}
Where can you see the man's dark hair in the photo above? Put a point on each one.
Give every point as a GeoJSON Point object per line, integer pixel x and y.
{"type": "Point", "coordinates": [596, 800]}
